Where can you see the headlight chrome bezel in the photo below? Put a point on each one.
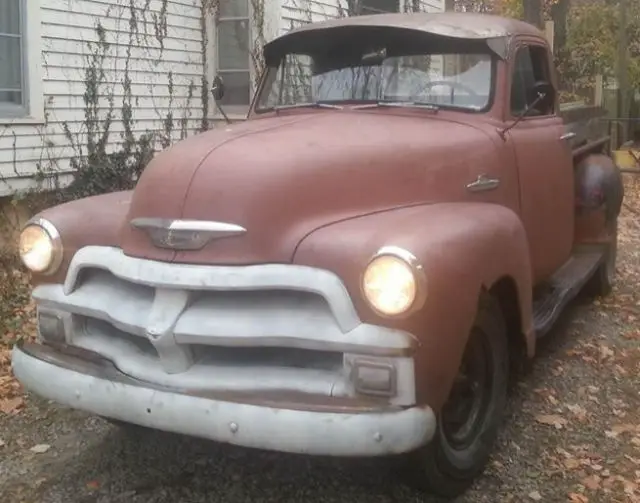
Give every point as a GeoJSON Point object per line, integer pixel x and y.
{"type": "Point", "coordinates": [57, 251]}
{"type": "Point", "coordinates": [419, 276]}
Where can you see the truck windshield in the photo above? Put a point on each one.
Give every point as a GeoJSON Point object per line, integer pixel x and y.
{"type": "Point", "coordinates": [460, 80]}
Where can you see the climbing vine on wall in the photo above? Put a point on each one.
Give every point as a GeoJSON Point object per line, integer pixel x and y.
{"type": "Point", "coordinates": [110, 149]}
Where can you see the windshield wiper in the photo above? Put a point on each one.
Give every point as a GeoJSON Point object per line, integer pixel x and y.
{"type": "Point", "coordinates": [315, 104]}
{"type": "Point", "coordinates": [399, 104]}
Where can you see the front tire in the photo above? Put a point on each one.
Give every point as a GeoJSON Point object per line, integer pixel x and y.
{"type": "Point", "coordinates": [469, 422]}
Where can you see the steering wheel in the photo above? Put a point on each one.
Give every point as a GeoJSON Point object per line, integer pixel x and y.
{"type": "Point", "coordinates": [453, 85]}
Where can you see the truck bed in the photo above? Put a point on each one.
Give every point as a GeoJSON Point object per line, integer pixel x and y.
{"type": "Point", "coordinates": [589, 124]}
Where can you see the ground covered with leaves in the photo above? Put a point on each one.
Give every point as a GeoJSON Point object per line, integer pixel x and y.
{"type": "Point", "coordinates": [16, 322]}
{"type": "Point", "coordinates": [572, 432]}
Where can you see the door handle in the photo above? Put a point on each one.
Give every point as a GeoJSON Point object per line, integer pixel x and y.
{"type": "Point", "coordinates": [568, 136]}
{"type": "Point", "coordinates": [482, 183]}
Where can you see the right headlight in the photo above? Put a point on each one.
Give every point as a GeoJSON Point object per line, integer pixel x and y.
{"type": "Point", "coordinates": [40, 247]}
{"type": "Point", "coordinates": [393, 282]}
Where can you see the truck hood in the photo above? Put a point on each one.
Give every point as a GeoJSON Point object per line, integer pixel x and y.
{"type": "Point", "coordinates": [281, 178]}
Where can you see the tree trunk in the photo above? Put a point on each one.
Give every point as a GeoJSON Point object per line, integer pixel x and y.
{"type": "Point", "coordinates": [533, 12]}
{"type": "Point", "coordinates": [623, 70]}
{"type": "Point", "coordinates": [559, 12]}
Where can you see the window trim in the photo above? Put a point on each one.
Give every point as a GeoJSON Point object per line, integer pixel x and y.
{"type": "Point", "coordinates": [272, 28]}
{"type": "Point", "coordinates": [373, 11]}
{"type": "Point", "coordinates": [234, 110]}
{"type": "Point", "coordinates": [527, 44]}
{"type": "Point", "coordinates": [272, 25]}
{"type": "Point", "coordinates": [493, 88]}
{"type": "Point", "coordinates": [32, 109]}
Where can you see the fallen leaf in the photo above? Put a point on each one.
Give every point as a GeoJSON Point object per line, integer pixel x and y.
{"type": "Point", "coordinates": [2, 444]}
{"type": "Point", "coordinates": [578, 498]}
{"type": "Point", "coordinates": [578, 411]}
{"type": "Point", "coordinates": [605, 352]}
{"type": "Point", "coordinates": [535, 496]}
{"type": "Point", "coordinates": [621, 428]}
{"type": "Point", "coordinates": [552, 420]}
{"type": "Point", "coordinates": [592, 482]}
{"type": "Point", "coordinates": [40, 448]}
{"type": "Point", "coordinates": [93, 485]}
{"type": "Point", "coordinates": [11, 405]}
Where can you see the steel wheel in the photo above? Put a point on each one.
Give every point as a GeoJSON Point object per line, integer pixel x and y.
{"type": "Point", "coordinates": [469, 422]}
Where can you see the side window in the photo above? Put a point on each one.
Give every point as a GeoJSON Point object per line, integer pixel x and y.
{"type": "Point", "coordinates": [530, 66]}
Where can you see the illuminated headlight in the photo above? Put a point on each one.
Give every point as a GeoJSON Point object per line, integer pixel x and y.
{"type": "Point", "coordinates": [40, 247]}
{"type": "Point", "coordinates": [393, 282]}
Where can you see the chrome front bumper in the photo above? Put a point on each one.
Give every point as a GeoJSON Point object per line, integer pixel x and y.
{"type": "Point", "coordinates": [272, 356]}
{"type": "Point", "coordinates": [96, 386]}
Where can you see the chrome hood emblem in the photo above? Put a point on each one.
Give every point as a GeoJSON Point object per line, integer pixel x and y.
{"type": "Point", "coordinates": [185, 234]}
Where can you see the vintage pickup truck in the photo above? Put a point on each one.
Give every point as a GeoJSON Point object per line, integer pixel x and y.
{"type": "Point", "coordinates": [359, 269]}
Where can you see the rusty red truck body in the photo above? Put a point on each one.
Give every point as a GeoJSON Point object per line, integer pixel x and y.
{"type": "Point", "coordinates": [356, 270]}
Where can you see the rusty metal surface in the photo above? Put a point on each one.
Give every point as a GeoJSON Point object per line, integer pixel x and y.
{"type": "Point", "coordinates": [328, 188]}
{"type": "Point", "coordinates": [495, 31]}
{"type": "Point", "coordinates": [449, 24]}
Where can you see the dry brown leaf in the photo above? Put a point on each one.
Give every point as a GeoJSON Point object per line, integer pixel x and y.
{"type": "Point", "coordinates": [11, 405]}
{"type": "Point", "coordinates": [578, 498]}
{"type": "Point", "coordinates": [40, 448]}
{"type": "Point", "coordinates": [572, 463]}
{"type": "Point", "coordinates": [578, 411]}
{"type": "Point", "coordinates": [605, 352]}
{"type": "Point", "coordinates": [535, 495]}
{"type": "Point", "coordinates": [554, 420]}
{"type": "Point", "coordinates": [621, 428]}
{"type": "Point", "coordinates": [592, 482]}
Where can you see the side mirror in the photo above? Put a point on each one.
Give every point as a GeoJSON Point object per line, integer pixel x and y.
{"type": "Point", "coordinates": [217, 88]}
{"type": "Point", "coordinates": [543, 94]}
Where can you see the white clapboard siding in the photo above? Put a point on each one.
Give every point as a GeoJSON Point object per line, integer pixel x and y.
{"type": "Point", "coordinates": [298, 12]}
{"type": "Point", "coordinates": [68, 30]}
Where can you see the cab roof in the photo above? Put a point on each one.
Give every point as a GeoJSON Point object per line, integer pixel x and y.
{"type": "Point", "coordinates": [495, 30]}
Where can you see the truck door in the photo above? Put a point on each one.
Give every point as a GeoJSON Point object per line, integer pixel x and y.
{"type": "Point", "coordinates": [545, 164]}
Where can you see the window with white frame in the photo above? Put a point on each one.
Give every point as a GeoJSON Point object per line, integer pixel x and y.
{"type": "Point", "coordinates": [233, 37]}
{"type": "Point", "coordinates": [378, 6]}
{"type": "Point", "coordinates": [233, 42]}
{"type": "Point", "coordinates": [13, 84]}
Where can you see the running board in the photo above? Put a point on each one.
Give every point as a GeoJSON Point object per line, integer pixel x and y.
{"type": "Point", "coordinates": [564, 286]}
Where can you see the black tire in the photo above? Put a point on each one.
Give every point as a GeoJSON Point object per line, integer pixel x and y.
{"type": "Point", "coordinates": [452, 461]}
{"type": "Point", "coordinates": [602, 281]}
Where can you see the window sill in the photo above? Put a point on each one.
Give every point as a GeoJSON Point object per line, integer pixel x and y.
{"type": "Point", "coordinates": [232, 116]}
{"type": "Point", "coordinates": [21, 121]}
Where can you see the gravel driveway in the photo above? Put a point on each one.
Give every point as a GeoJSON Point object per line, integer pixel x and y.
{"type": "Point", "coordinates": [571, 434]}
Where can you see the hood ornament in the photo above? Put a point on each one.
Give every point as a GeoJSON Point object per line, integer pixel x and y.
{"type": "Point", "coordinates": [185, 234]}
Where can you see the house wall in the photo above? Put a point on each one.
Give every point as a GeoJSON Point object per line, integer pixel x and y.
{"type": "Point", "coordinates": [148, 40]}
{"type": "Point", "coordinates": [297, 12]}
{"type": "Point", "coordinates": [153, 38]}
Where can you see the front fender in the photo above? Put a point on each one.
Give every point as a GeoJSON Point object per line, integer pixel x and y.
{"type": "Point", "coordinates": [463, 247]}
{"type": "Point", "coordinates": [93, 220]}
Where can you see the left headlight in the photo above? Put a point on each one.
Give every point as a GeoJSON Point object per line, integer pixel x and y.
{"type": "Point", "coordinates": [393, 282]}
{"type": "Point", "coordinates": [40, 247]}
